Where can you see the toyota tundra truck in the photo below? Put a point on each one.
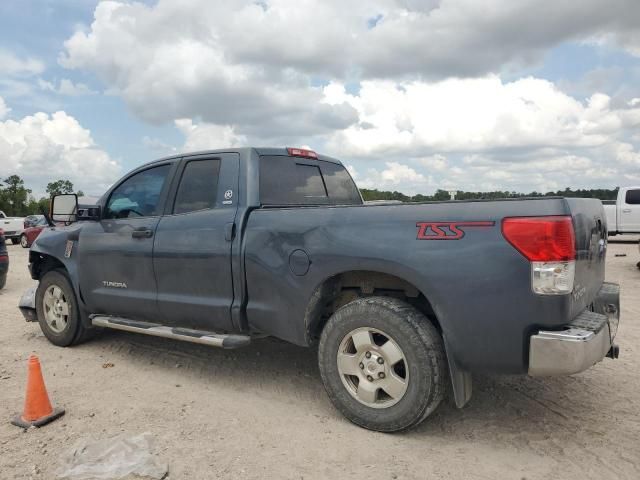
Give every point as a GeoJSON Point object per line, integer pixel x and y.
{"type": "Point", "coordinates": [403, 302]}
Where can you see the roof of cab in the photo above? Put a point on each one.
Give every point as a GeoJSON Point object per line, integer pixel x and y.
{"type": "Point", "coordinates": [259, 150]}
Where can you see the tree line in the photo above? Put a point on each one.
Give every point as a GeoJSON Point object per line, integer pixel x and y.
{"type": "Point", "coordinates": [16, 200]}
{"type": "Point", "coordinates": [599, 193]}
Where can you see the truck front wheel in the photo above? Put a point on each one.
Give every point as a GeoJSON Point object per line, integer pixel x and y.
{"type": "Point", "coordinates": [57, 310]}
{"type": "Point", "coordinates": [382, 363]}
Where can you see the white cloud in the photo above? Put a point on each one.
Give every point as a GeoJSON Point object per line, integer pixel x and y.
{"type": "Point", "coordinates": [378, 38]}
{"type": "Point", "coordinates": [65, 87]}
{"type": "Point", "coordinates": [255, 63]}
{"type": "Point", "coordinates": [41, 148]}
{"type": "Point", "coordinates": [395, 176]}
{"type": "Point", "coordinates": [205, 136]}
{"type": "Point", "coordinates": [435, 162]}
{"type": "Point", "coordinates": [475, 115]}
{"type": "Point", "coordinates": [4, 110]}
{"type": "Point", "coordinates": [621, 166]}
{"type": "Point", "coordinates": [188, 71]}
{"type": "Point", "coordinates": [11, 65]}
{"type": "Point", "coordinates": [158, 146]}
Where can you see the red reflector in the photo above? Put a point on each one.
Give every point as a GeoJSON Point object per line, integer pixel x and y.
{"type": "Point", "coordinates": [301, 152]}
{"type": "Point", "coordinates": [541, 239]}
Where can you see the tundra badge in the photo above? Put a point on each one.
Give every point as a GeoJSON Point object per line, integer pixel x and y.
{"type": "Point", "coordinates": [114, 284]}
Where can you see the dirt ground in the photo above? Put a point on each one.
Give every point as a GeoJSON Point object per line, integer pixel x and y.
{"type": "Point", "coordinates": [261, 412]}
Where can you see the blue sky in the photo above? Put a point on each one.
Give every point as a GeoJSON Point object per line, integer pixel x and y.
{"type": "Point", "coordinates": [460, 97]}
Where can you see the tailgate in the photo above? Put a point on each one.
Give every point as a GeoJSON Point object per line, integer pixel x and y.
{"type": "Point", "coordinates": [589, 223]}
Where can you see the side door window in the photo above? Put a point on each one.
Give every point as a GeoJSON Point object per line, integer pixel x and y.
{"type": "Point", "coordinates": [139, 195]}
{"type": "Point", "coordinates": [632, 197]}
{"type": "Point", "coordinates": [198, 187]}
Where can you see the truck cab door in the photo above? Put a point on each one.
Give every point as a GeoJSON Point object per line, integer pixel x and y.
{"type": "Point", "coordinates": [629, 213]}
{"type": "Point", "coordinates": [115, 255]}
{"type": "Point", "coordinates": [192, 251]}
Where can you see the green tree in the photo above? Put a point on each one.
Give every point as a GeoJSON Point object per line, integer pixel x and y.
{"type": "Point", "coordinates": [58, 187]}
{"type": "Point", "coordinates": [14, 196]}
{"type": "Point", "coordinates": [37, 207]}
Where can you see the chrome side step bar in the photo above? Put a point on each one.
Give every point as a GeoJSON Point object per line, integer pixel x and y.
{"type": "Point", "coordinates": [185, 334]}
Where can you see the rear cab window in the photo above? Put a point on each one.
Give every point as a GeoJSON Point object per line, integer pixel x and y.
{"type": "Point", "coordinates": [287, 180]}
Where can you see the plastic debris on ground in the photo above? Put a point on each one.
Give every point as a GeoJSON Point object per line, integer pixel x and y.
{"type": "Point", "coordinates": [119, 457]}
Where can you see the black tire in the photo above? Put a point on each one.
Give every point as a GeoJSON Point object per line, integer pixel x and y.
{"type": "Point", "coordinates": [74, 332]}
{"type": "Point", "coordinates": [15, 241]}
{"type": "Point", "coordinates": [418, 340]}
{"type": "Point", "coordinates": [3, 280]}
{"type": "Point", "coordinates": [24, 243]}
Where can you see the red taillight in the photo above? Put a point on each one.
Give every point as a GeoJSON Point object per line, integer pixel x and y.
{"type": "Point", "coordinates": [301, 152]}
{"type": "Point", "coordinates": [541, 239]}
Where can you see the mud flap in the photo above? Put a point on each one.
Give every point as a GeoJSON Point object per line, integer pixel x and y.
{"type": "Point", "coordinates": [460, 381]}
{"type": "Point", "coordinates": [27, 304]}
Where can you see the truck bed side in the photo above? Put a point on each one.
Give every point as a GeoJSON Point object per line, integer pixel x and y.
{"type": "Point", "coordinates": [478, 286]}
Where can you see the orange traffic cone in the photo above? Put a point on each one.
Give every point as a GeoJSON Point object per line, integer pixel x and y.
{"type": "Point", "coordinates": [37, 407]}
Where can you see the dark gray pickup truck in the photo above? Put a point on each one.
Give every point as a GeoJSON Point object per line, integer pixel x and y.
{"type": "Point", "coordinates": [401, 300]}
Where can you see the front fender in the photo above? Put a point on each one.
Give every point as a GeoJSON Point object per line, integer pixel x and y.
{"type": "Point", "coordinates": [56, 247]}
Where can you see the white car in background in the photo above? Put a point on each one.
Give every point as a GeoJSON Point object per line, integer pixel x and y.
{"type": "Point", "coordinates": [623, 216]}
{"type": "Point", "coordinates": [12, 226]}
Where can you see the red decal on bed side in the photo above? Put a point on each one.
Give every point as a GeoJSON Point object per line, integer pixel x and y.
{"type": "Point", "coordinates": [438, 230]}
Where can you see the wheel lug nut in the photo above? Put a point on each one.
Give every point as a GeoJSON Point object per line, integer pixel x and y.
{"type": "Point", "coordinates": [380, 360]}
{"type": "Point", "coordinates": [368, 354]}
{"type": "Point", "coordinates": [362, 365]}
{"type": "Point", "coordinates": [370, 378]}
{"type": "Point", "coordinates": [381, 375]}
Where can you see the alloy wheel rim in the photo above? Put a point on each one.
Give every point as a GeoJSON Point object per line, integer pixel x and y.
{"type": "Point", "coordinates": [56, 308]}
{"type": "Point", "coordinates": [373, 367]}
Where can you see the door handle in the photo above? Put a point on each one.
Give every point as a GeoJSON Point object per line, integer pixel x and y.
{"type": "Point", "coordinates": [142, 233]}
{"type": "Point", "coordinates": [626, 210]}
{"type": "Point", "coordinates": [229, 231]}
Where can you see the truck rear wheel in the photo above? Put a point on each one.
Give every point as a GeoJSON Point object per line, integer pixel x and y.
{"type": "Point", "coordinates": [57, 310]}
{"type": "Point", "coordinates": [382, 363]}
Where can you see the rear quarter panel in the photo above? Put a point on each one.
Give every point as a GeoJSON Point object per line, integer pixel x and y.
{"type": "Point", "coordinates": [478, 285]}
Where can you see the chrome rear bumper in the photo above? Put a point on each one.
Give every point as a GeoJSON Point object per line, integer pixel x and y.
{"type": "Point", "coordinates": [583, 343]}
